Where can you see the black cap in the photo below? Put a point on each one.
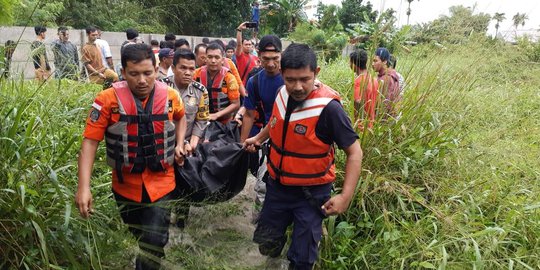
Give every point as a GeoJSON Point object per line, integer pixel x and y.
{"type": "Point", "coordinates": [270, 40]}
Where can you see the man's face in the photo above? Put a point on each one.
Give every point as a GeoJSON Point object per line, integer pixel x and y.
{"type": "Point", "coordinates": [200, 56]}
{"type": "Point", "coordinates": [270, 61]}
{"type": "Point", "coordinates": [92, 36]}
{"type": "Point", "coordinates": [167, 61]}
{"type": "Point", "coordinates": [63, 36]}
{"type": "Point", "coordinates": [214, 60]}
{"type": "Point", "coordinates": [247, 46]}
{"type": "Point", "coordinates": [183, 71]}
{"type": "Point", "coordinates": [229, 53]}
{"type": "Point", "coordinates": [299, 82]}
{"type": "Point", "coordinates": [378, 64]}
{"type": "Point", "coordinates": [140, 77]}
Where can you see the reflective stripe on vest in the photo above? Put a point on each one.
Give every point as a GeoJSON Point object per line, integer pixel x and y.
{"type": "Point", "coordinates": [218, 99]}
{"type": "Point", "coordinates": [143, 137]}
{"type": "Point", "coordinates": [303, 160]}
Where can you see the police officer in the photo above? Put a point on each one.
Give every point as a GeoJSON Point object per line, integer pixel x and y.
{"type": "Point", "coordinates": [144, 127]}
{"type": "Point", "coordinates": [307, 119]}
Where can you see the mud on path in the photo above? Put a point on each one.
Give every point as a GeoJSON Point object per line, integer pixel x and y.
{"type": "Point", "coordinates": [217, 236]}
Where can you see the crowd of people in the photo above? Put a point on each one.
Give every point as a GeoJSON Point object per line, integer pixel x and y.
{"type": "Point", "coordinates": [155, 108]}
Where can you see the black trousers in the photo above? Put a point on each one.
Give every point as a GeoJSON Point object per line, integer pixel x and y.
{"type": "Point", "coordinates": [149, 223]}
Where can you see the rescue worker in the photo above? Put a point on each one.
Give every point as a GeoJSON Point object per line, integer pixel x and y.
{"type": "Point", "coordinates": [223, 89]}
{"type": "Point", "coordinates": [307, 119]}
{"type": "Point", "coordinates": [146, 118]}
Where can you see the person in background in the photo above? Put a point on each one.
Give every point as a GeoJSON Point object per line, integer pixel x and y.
{"type": "Point", "coordinates": [155, 46]}
{"type": "Point", "coordinates": [307, 120]}
{"type": "Point", "coordinates": [142, 185]}
{"type": "Point", "coordinates": [131, 35]}
{"type": "Point", "coordinates": [91, 60]}
{"type": "Point", "coordinates": [365, 90]}
{"type": "Point", "coordinates": [206, 40]}
{"type": "Point", "coordinates": [166, 56]}
{"type": "Point", "coordinates": [229, 52]}
{"type": "Point", "coordinates": [170, 37]}
{"type": "Point", "coordinates": [245, 61]}
{"type": "Point", "coordinates": [66, 57]}
{"type": "Point", "coordinates": [39, 54]}
{"type": "Point", "coordinates": [181, 44]}
{"type": "Point", "coordinates": [9, 49]}
{"type": "Point", "coordinates": [105, 49]}
{"type": "Point", "coordinates": [200, 55]}
{"type": "Point", "coordinates": [388, 81]}
{"type": "Point", "coordinates": [223, 89]}
{"type": "Point", "coordinates": [401, 79]}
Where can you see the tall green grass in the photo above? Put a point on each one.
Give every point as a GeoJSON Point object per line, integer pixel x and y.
{"type": "Point", "coordinates": [452, 183]}
{"type": "Point", "coordinates": [40, 134]}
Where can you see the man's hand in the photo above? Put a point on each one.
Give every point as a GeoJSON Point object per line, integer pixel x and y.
{"type": "Point", "coordinates": [336, 205]}
{"type": "Point", "coordinates": [83, 200]}
{"type": "Point", "coordinates": [251, 144]}
{"type": "Point", "coordinates": [213, 117]}
{"type": "Point", "coordinates": [101, 75]}
{"type": "Point", "coordinates": [242, 26]}
{"type": "Point", "coordinates": [189, 149]}
{"type": "Point", "coordinates": [238, 118]}
{"type": "Point", "coordinates": [179, 155]}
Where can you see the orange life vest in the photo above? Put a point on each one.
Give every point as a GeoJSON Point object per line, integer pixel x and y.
{"type": "Point", "coordinates": [218, 100]}
{"type": "Point", "coordinates": [143, 137]}
{"type": "Point", "coordinates": [296, 156]}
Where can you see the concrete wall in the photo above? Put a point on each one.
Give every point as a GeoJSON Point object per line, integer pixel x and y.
{"type": "Point", "coordinates": [22, 62]}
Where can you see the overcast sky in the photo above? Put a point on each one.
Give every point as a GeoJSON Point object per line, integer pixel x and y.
{"type": "Point", "coordinates": [428, 10]}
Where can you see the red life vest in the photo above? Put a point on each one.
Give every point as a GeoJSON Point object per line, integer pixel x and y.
{"type": "Point", "coordinates": [296, 156]}
{"type": "Point", "coordinates": [217, 99]}
{"type": "Point", "coordinates": [143, 137]}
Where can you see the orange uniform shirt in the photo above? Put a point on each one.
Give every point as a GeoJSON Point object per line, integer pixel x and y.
{"type": "Point", "coordinates": [366, 92]}
{"type": "Point", "coordinates": [157, 184]}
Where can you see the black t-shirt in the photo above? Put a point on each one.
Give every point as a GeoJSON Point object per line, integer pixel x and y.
{"type": "Point", "coordinates": [333, 126]}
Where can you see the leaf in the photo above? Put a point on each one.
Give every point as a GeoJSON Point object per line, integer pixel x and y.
{"type": "Point", "coordinates": [427, 265]}
{"type": "Point", "coordinates": [42, 242]}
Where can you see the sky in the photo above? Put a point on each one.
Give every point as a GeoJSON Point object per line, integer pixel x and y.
{"type": "Point", "coordinates": [428, 10]}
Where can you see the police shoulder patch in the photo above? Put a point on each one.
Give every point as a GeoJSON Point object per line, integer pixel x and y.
{"type": "Point", "coordinates": [198, 86]}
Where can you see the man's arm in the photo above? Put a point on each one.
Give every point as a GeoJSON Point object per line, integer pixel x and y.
{"type": "Point", "coordinates": [201, 120]}
{"type": "Point", "coordinates": [247, 124]}
{"type": "Point", "coordinates": [252, 143]}
{"type": "Point", "coordinates": [83, 197]}
{"type": "Point", "coordinates": [110, 63]}
{"type": "Point", "coordinates": [235, 105]}
{"type": "Point", "coordinates": [338, 204]}
{"type": "Point", "coordinates": [239, 30]}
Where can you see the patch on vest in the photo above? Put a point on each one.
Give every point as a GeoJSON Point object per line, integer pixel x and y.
{"type": "Point", "coordinates": [115, 110]}
{"type": "Point", "coordinates": [273, 122]}
{"type": "Point", "coordinates": [300, 129]}
{"type": "Point", "coordinates": [192, 101]}
{"type": "Point", "coordinates": [94, 115]}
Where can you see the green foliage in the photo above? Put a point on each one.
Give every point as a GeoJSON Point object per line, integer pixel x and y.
{"type": "Point", "coordinates": [282, 16]}
{"type": "Point", "coordinates": [354, 11]}
{"type": "Point", "coordinates": [327, 44]}
{"type": "Point", "coordinates": [530, 48]}
{"type": "Point", "coordinates": [456, 28]}
{"type": "Point", "coordinates": [452, 182]}
{"type": "Point", "coordinates": [39, 140]}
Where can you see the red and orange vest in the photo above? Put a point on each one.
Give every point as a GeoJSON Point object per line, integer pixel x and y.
{"type": "Point", "coordinates": [297, 157]}
{"type": "Point", "coordinates": [143, 137]}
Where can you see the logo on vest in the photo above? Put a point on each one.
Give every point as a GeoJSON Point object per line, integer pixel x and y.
{"type": "Point", "coordinates": [300, 129]}
{"type": "Point", "coordinates": [115, 110]}
{"type": "Point", "coordinates": [273, 122]}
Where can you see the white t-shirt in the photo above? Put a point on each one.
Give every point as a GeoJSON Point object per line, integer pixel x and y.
{"type": "Point", "coordinates": [103, 46]}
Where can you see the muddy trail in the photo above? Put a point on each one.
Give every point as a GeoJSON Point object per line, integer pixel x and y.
{"type": "Point", "coordinates": [219, 237]}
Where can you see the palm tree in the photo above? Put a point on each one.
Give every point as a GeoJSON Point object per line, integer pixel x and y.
{"type": "Point", "coordinates": [292, 11]}
{"type": "Point", "coordinates": [498, 17]}
{"type": "Point", "coordinates": [409, 10]}
{"type": "Point", "coordinates": [519, 19]}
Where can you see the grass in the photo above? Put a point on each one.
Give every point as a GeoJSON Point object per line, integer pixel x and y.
{"type": "Point", "coordinates": [451, 184]}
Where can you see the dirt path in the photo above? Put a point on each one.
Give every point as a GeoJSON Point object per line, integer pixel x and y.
{"type": "Point", "coordinates": [217, 236]}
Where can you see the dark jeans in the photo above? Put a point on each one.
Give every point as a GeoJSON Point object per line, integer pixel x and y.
{"type": "Point", "coordinates": [149, 223]}
{"type": "Point", "coordinates": [286, 205]}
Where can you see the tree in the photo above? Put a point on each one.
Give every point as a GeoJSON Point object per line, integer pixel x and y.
{"type": "Point", "coordinates": [352, 12]}
{"type": "Point", "coordinates": [292, 11]}
{"type": "Point", "coordinates": [329, 19]}
{"type": "Point", "coordinates": [519, 19]}
{"type": "Point", "coordinates": [409, 10]}
{"type": "Point", "coordinates": [498, 17]}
